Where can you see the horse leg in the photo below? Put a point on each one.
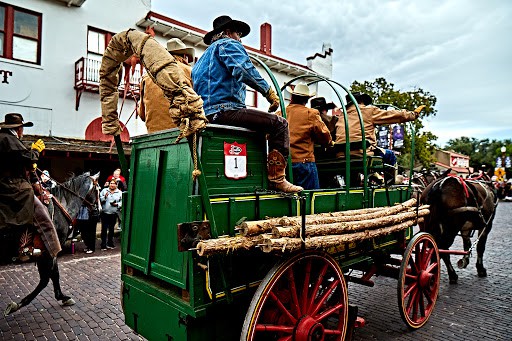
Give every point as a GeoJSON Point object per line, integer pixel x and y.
{"type": "Point", "coordinates": [59, 296]}
{"type": "Point", "coordinates": [44, 267]}
{"type": "Point", "coordinates": [466, 241]}
{"type": "Point", "coordinates": [452, 275]}
{"type": "Point", "coordinates": [480, 249]}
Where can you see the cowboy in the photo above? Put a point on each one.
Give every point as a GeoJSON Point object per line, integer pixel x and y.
{"type": "Point", "coordinates": [371, 116]}
{"type": "Point", "coordinates": [154, 107]}
{"type": "Point", "coordinates": [220, 77]}
{"type": "Point", "coordinates": [19, 207]}
{"type": "Point", "coordinates": [320, 104]}
{"type": "Point", "coordinates": [306, 129]}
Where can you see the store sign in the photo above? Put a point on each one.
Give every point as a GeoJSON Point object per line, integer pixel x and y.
{"type": "Point", "coordinates": [14, 85]}
{"type": "Point", "coordinates": [235, 160]}
{"type": "Point", "coordinates": [459, 162]}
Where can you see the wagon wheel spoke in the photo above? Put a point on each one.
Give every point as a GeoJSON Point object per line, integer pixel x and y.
{"type": "Point", "coordinates": [293, 289]}
{"type": "Point", "coordinates": [432, 267]}
{"type": "Point", "coordinates": [411, 289]}
{"type": "Point", "coordinates": [325, 296]}
{"type": "Point", "coordinates": [305, 288]}
{"type": "Point", "coordinates": [412, 301]}
{"type": "Point", "coordinates": [285, 338]}
{"type": "Point", "coordinates": [317, 286]}
{"type": "Point", "coordinates": [282, 308]}
{"type": "Point", "coordinates": [329, 312]}
{"type": "Point", "coordinates": [273, 328]}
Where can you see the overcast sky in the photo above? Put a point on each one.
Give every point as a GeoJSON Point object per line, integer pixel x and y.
{"type": "Point", "coordinates": [459, 50]}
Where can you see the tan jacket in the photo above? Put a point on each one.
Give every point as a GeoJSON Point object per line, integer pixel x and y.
{"type": "Point", "coordinates": [306, 129]}
{"type": "Point", "coordinates": [154, 107]}
{"type": "Point", "coordinates": [371, 116]}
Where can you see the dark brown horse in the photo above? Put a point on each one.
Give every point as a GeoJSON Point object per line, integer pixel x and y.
{"type": "Point", "coordinates": [459, 205]}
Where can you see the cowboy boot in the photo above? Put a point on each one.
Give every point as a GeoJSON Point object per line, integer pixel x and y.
{"type": "Point", "coordinates": [276, 165]}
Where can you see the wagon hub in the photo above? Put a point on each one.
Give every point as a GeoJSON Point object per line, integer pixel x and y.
{"type": "Point", "coordinates": [426, 279]}
{"type": "Point", "coordinates": [308, 329]}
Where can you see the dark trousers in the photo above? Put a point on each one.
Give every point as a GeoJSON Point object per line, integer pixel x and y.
{"type": "Point", "coordinates": [108, 221]}
{"type": "Point", "coordinates": [88, 230]}
{"type": "Point", "coordinates": [305, 174]}
{"type": "Point", "coordinates": [259, 121]}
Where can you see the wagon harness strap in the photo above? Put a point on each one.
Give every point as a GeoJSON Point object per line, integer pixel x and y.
{"type": "Point", "coordinates": [63, 209]}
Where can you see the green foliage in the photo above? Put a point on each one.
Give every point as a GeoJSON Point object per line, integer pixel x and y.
{"type": "Point", "coordinates": [482, 153]}
{"type": "Point", "coordinates": [383, 92]}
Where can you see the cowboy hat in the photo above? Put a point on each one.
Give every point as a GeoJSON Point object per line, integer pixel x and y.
{"type": "Point", "coordinates": [301, 89]}
{"type": "Point", "coordinates": [14, 120]}
{"type": "Point", "coordinates": [321, 104]}
{"type": "Point", "coordinates": [176, 46]}
{"type": "Point", "coordinates": [360, 97]}
{"type": "Point", "coordinates": [223, 22]}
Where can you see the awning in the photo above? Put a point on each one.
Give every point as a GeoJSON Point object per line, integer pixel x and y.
{"type": "Point", "coordinates": [76, 145]}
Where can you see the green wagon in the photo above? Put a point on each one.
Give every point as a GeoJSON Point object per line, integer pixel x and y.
{"type": "Point", "coordinates": [172, 293]}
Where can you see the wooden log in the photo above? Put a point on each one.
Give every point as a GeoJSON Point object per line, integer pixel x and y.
{"type": "Point", "coordinates": [228, 244]}
{"type": "Point", "coordinates": [250, 228]}
{"type": "Point", "coordinates": [347, 227]}
{"type": "Point", "coordinates": [323, 242]}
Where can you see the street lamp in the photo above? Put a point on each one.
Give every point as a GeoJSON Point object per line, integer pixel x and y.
{"type": "Point", "coordinates": [503, 149]}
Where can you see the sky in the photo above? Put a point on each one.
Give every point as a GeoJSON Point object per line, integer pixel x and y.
{"type": "Point", "coordinates": [456, 50]}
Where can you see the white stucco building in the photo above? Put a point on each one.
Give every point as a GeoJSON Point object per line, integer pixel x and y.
{"type": "Point", "coordinates": [50, 53]}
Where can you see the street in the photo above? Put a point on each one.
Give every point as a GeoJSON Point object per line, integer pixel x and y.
{"type": "Point", "coordinates": [474, 309]}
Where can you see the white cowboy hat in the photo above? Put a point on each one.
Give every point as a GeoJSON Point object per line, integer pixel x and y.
{"type": "Point", "coordinates": [176, 46]}
{"type": "Point", "coordinates": [301, 89]}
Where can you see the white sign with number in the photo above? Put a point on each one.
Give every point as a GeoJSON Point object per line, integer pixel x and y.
{"type": "Point", "coordinates": [235, 160]}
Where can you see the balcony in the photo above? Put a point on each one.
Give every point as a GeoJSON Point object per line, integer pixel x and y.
{"type": "Point", "coordinates": [87, 78]}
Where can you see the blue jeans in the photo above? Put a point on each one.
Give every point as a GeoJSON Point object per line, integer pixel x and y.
{"type": "Point", "coordinates": [388, 157]}
{"type": "Point", "coordinates": [305, 175]}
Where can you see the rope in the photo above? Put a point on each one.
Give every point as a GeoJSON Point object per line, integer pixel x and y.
{"type": "Point", "coordinates": [196, 172]}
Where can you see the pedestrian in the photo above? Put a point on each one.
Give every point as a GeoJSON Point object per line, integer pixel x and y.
{"type": "Point", "coordinates": [87, 219]}
{"type": "Point", "coordinates": [220, 77]}
{"type": "Point", "coordinates": [154, 106]}
{"type": "Point", "coordinates": [306, 129]}
{"type": "Point", "coordinates": [46, 181]}
{"type": "Point", "coordinates": [110, 199]}
{"type": "Point", "coordinates": [120, 180]}
{"type": "Point", "coordinates": [320, 104]}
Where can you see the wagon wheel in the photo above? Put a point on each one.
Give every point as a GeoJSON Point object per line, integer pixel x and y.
{"type": "Point", "coordinates": [418, 283]}
{"type": "Point", "coordinates": [302, 298]}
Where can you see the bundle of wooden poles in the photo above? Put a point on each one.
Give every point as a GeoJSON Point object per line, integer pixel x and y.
{"type": "Point", "coordinates": [323, 230]}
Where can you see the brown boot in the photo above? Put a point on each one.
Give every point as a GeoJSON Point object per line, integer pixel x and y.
{"type": "Point", "coordinates": [276, 173]}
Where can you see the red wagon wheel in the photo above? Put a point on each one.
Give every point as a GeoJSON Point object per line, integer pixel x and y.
{"type": "Point", "coordinates": [418, 284]}
{"type": "Point", "coordinates": [302, 298]}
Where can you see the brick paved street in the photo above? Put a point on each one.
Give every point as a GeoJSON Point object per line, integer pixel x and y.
{"type": "Point", "coordinates": [475, 309]}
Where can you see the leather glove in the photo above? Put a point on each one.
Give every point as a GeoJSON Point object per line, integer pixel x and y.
{"type": "Point", "coordinates": [38, 145]}
{"type": "Point", "coordinates": [273, 99]}
{"type": "Point", "coordinates": [419, 109]}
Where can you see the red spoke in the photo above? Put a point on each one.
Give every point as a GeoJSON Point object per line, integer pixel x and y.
{"type": "Point", "coordinates": [421, 304]}
{"type": "Point", "coordinates": [413, 278]}
{"type": "Point", "coordinates": [415, 305]}
{"type": "Point", "coordinates": [293, 289]}
{"type": "Point", "coordinates": [431, 267]}
{"type": "Point", "coordinates": [413, 265]}
{"type": "Point", "coordinates": [305, 287]}
{"type": "Point", "coordinates": [410, 289]}
{"type": "Point", "coordinates": [285, 338]}
{"type": "Point", "coordinates": [273, 328]}
{"type": "Point", "coordinates": [428, 258]}
{"type": "Point", "coordinates": [283, 308]}
{"type": "Point", "coordinates": [328, 312]}
{"type": "Point", "coordinates": [411, 301]}
{"type": "Point", "coordinates": [428, 294]}
{"type": "Point", "coordinates": [418, 257]}
{"type": "Point", "coordinates": [326, 294]}
{"type": "Point", "coordinates": [317, 286]}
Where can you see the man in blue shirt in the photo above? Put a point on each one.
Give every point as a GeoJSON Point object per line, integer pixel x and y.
{"type": "Point", "coordinates": [220, 77]}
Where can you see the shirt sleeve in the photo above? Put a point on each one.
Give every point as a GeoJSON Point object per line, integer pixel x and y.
{"type": "Point", "coordinates": [240, 66]}
{"type": "Point", "coordinates": [380, 116]}
{"type": "Point", "coordinates": [321, 133]}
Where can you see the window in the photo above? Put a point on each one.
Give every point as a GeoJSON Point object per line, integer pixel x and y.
{"type": "Point", "coordinates": [251, 98]}
{"type": "Point", "coordinates": [97, 41]}
{"type": "Point", "coordinates": [20, 34]}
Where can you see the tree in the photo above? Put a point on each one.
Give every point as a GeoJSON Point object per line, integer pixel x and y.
{"type": "Point", "coordinates": [383, 92]}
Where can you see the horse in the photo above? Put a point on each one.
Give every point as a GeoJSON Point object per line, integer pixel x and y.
{"type": "Point", "coordinates": [70, 195]}
{"type": "Point", "coordinates": [462, 206]}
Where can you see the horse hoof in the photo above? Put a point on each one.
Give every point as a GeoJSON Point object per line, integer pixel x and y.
{"type": "Point", "coordinates": [462, 263]}
{"type": "Point", "coordinates": [67, 302]}
{"type": "Point", "coordinates": [482, 273]}
{"type": "Point", "coordinates": [453, 281]}
{"type": "Point", "coordinates": [11, 308]}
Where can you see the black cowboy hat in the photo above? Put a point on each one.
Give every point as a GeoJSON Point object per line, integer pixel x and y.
{"type": "Point", "coordinates": [321, 104]}
{"type": "Point", "coordinates": [14, 120]}
{"type": "Point", "coordinates": [223, 22]}
{"type": "Point", "coordinates": [360, 97]}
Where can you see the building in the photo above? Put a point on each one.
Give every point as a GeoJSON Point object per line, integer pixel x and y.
{"type": "Point", "coordinates": [50, 54]}
{"type": "Point", "coordinates": [457, 162]}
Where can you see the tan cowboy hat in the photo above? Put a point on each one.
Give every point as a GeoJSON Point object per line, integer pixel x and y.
{"type": "Point", "coordinates": [176, 46]}
{"type": "Point", "coordinates": [14, 120]}
{"type": "Point", "coordinates": [224, 22]}
{"type": "Point", "coordinates": [301, 89]}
